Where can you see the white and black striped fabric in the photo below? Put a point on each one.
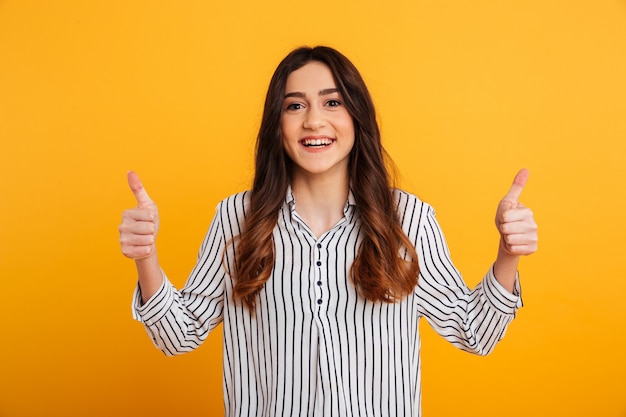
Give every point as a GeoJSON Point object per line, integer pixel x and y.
{"type": "Point", "coordinates": [314, 346]}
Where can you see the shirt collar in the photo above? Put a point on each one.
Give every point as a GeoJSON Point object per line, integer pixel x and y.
{"type": "Point", "coordinates": [290, 200]}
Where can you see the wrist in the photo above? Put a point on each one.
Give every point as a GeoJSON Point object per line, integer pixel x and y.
{"type": "Point", "coordinates": [505, 268]}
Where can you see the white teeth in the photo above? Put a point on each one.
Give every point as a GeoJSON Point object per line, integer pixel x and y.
{"type": "Point", "coordinates": [317, 142]}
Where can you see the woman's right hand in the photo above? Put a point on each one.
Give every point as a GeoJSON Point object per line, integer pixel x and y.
{"type": "Point", "coordinates": [140, 225]}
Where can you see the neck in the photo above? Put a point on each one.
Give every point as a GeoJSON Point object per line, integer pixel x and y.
{"type": "Point", "coordinates": [320, 201]}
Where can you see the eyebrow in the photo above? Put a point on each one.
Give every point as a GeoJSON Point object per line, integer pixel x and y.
{"type": "Point", "coordinates": [323, 92]}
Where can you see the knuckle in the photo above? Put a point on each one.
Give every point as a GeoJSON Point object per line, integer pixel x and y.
{"type": "Point", "coordinates": [146, 251]}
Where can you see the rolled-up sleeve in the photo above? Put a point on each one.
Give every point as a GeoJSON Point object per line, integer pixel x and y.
{"type": "Point", "coordinates": [178, 321]}
{"type": "Point", "coordinates": [473, 320]}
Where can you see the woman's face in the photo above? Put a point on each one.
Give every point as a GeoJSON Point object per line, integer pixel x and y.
{"type": "Point", "coordinates": [318, 131]}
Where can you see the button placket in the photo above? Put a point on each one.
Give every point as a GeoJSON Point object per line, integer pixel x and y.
{"type": "Point", "coordinates": [318, 282]}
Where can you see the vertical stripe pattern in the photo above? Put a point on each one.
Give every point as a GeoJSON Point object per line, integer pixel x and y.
{"type": "Point", "coordinates": [314, 346]}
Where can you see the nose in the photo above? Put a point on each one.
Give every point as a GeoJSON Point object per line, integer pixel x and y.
{"type": "Point", "coordinates": [314, 119]}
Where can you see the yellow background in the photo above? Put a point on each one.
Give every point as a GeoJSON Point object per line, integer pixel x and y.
{"type": "Point", "coordinates": [468, 92]}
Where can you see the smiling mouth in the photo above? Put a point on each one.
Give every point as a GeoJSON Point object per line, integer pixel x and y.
{"type": "Point", "coordinates": [317, 143]}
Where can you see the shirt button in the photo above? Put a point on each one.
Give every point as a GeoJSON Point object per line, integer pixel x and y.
{"type": "Point", "coordinates": [319, 301]}
{"type": "Point", "coordinates": [319, 263]}
{"type": "Point", "coordinates": [319, 283]}
{"type": "Point", "coordinates": [319, 246]}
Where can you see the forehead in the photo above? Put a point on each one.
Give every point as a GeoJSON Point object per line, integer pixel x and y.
{"type": "Point", "coordinates": [312, 76]}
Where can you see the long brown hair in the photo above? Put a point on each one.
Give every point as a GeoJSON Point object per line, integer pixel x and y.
{"type": "Point", "coordinates": [379, 271]}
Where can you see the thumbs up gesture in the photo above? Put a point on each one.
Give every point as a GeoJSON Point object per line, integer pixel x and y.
{"type": "Point", "coordinates": [515, 222]}
{"type": "Point", "coordinates": [139, 225]}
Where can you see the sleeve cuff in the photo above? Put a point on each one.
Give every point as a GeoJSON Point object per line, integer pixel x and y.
{"type": "Point", "coordinates": [156, 307]}
{"type": "Point", "coordinates": [499, 297]}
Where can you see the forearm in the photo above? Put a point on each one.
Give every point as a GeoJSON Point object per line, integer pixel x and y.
{"type": "Point", "coordinates": [164, 311]}
{"type": "Point", "coordinates": [150, 276]}
{"type": "Point", "coordinates": [474, 320]}
{"type": "Point", "coordinates": [505, 269]}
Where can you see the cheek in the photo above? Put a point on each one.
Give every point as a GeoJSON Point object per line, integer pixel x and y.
{"type": "Point", "coordinates": [286, 127]}
{"type": "Point", "coordinates": [347, 125]}
{"type": "Point", "coordinates": [287, 134]}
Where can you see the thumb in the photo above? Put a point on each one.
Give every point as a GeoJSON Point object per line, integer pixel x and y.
{"type": "Point", "coordinates": [143, 199]}
{"type": "Point", "coordinates": [516, 188]}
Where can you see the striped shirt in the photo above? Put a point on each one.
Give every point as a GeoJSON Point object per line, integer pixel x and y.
{"type": "Point", "coordinates": [315, 346]}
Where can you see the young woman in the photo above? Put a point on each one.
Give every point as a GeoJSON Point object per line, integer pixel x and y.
{"type": "Point", "coordinates": [321, 272]}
